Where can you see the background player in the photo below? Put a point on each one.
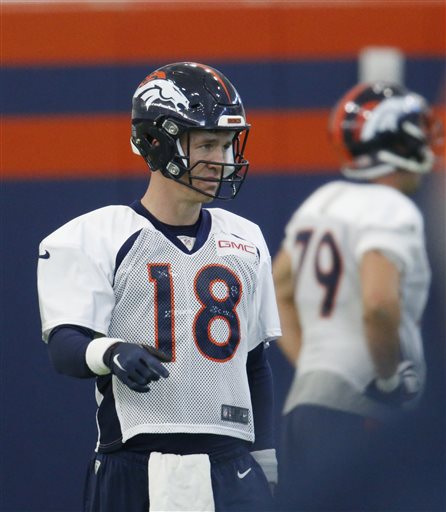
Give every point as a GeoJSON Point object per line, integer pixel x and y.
{"type": "Point", "coordinates": [352, 281]}
{"type": "Point", "coordinates": [169, 305]}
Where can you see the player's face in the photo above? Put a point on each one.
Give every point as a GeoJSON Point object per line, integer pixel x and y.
{"type": "Point", "coordinates": [212, 147]}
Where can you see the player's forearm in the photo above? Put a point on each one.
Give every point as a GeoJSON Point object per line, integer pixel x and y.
{"type": "Point", "coordinates": [67, 347]}
{"type": "Point", "coordinates": [290, 341]}
{"type": "Point", "coordinates": [380, 283]}
{"type": "Point", "coordinates": [381, 328]}
{"type": "Point", "coordinates": [262, 397]}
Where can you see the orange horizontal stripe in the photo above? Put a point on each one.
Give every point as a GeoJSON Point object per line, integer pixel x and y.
{"type": "Point", "coordinates": [70, 147]}
{"type": "Point", "coordinates": [151, 31]}
{"type": "Point", "coordinates": [78, 147]}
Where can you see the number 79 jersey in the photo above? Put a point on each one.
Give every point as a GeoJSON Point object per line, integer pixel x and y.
{"type": "Point", "coordinates": [112, 271]}
{"type": "Point", "coordinates": [326, 239]}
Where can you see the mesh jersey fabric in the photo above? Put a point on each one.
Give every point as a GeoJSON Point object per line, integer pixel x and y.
{"type": "Point", "coordinates": [207, 307]}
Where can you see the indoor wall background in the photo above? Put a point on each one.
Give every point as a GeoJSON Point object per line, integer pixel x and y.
{"type": "Point", "coordinates": [68, 74]}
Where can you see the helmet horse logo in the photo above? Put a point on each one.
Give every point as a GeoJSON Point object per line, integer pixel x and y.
{"type": "Point", "coordinates": [386, 116]}
{"type": "Point", "coordinates": [164, 91]}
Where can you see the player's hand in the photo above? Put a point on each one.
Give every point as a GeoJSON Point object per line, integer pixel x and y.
{"type": "Point", "coordinates": [136, 365]}
{"type": "Point", "coordinates": [407, 387]}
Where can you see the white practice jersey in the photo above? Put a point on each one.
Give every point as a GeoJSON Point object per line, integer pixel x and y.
{"type": "Point", "coordinates": [113, 272]}
{"type": "Point", "coordinates": [326, 238]}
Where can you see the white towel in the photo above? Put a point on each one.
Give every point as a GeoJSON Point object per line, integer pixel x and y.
{"type": "Point", "coordinates": [180, 483]}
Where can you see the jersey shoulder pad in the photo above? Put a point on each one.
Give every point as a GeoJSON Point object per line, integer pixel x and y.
{"type": "Point", "coordinates": [109, 222]}
{"type": "Point", "coordinates": [224, 222]}
{"type": "Point", "coordinates": [232, 223]}
{"type": "Point", "coordinates": [387, 208]}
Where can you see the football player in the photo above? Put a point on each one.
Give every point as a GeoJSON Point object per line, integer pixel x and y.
{"type": "Point", "coordinates": [352, 280]}
{"type": "Point", "coordinates": [170, 306]}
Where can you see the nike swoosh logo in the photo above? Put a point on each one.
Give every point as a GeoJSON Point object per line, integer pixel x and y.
{"type": "Point", "coordinates": [242, 475]}
{"type": "Point", "coordinates": [118, 364]}
{"type": "Point", "coordinates": [45, 255]}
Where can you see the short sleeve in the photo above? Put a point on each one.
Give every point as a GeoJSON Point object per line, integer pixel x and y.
{"type": "Point", "coordinates": [398, 232]}
{"type": "Point", "coordinates": [75, 275]}
{"type": "Point", "coordinates": [73, 289]}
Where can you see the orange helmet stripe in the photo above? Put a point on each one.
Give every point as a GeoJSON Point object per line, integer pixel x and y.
{"type": "Point", "coordinates": [216, 76]}
{"type": "Point", "coordinates": [339, 113]}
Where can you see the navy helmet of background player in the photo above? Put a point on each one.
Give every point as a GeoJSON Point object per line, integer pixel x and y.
{"type": "Point", "coordinates": [352, 280]}
{"type": "Point", "coordinates": [169, 305]}
{"type": "Point", "coordinates": [381, 127]}
{"type": "Point", "coordinates": [179, 98]}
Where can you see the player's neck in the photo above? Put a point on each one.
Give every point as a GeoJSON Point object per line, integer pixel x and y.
{"type": "Point", "coordinates": [404, 181]}
{"type": "Point", "coordinates": [171, 208]}
{"type": "Point", "coordinates": [390, 180]}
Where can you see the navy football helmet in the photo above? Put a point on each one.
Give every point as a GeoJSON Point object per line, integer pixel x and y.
{"type": "Point", "coordinates": [178, 98]}
{"type": "Point", "coordinates": [381, 127]}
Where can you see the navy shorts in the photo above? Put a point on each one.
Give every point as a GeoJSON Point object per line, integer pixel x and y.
{"type": "Point", "coordinates": [118, 482]}
{"type": "Point", "coordinates": [324, 460]}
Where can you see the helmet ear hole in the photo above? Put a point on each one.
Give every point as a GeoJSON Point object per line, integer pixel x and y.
{"type": "Point", "coordinates": [156, 146]}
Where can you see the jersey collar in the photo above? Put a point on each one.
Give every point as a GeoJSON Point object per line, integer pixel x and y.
{"type": "Point", "coordinates": [200, 229]}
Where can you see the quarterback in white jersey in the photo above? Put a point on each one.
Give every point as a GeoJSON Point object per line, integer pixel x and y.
{"type": "Point", "coordinates": [352, 280]}
{"type": "Point", "coordinates": [171, 306]}
{"type": "Point", "coordinates": [202, 307]}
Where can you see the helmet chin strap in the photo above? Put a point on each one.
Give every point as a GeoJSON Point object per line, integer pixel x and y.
{"type": "Point", "coordinates": [367, 174]}
{"type": "Point", "coordinates": [399, 162]}
{"type": "Point", "coordinates": [390, 163]}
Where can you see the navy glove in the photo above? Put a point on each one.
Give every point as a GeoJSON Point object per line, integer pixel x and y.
{"type": "Point", "coordinates": [406, 387]}
{"type": "Point", "coordinates": [136, 365]}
